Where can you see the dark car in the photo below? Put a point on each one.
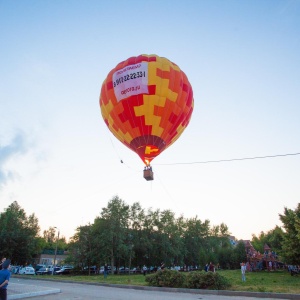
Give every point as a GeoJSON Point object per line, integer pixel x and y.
{"type": "Point", "coordinates": [56, 269]}
{"type": "Point", "coordinates": [123, 270]}
{"type": "Point", "coordinates": [294, 270]}
{"type": "Point", "coordinates": [64, 270]}
{"type": "Point", "coordinates": [93, 270]}
{"type": "Point", "coordinates": [135, 270]}
{"type": "Point", "coordinates": [53, 270]}
{"type": "Point", "coordinates": [39, 266]}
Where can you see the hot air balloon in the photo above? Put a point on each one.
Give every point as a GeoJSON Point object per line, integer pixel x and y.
{"type": "Point", "coordinates": [146, 102]}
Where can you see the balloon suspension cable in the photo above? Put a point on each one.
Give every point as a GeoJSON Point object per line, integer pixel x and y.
{"type": "Point", "coordinates": [148, 167]}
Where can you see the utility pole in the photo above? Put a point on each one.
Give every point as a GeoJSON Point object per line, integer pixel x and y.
{"type": "Point", "coordinates": [54, 264]}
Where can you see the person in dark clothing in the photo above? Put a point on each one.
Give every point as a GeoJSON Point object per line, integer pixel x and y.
{"type": "Point", "coordinates": [206, 268]}
{"type": "Point", "coordinates": [105, 271]}
{"type": "Point", "coordinates": [211, 267]}
{"type": "Point", "coordinates": [145, 269]}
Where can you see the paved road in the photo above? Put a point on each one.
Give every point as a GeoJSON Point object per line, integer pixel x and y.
{"type": "Point", "coordinates": [78, 291]}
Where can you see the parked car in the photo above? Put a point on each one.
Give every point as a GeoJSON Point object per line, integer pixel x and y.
{"type": "Point", "coordinates": [64, 270]}
{"type": "Point", "coordinates": [123, 270]}
{"type": "Point", "coordinates": [42, 271]}
{"type": "Point", "coordinates": [53, 269]}
{"type": "Point", "coordinates": [50, 268]}
{"type": "Point", "coordinates": [37, 267]}
{"type": "Point", "coordinates": [135, 270]}
{"type": "Point", "coordinates": [294, 270]}
{"type": "Point", "coordinates": [15, 269]}
{"type": "Point", "coordinates": [27, 271]}
{"type": "Point", "coordinates": [93, 270]}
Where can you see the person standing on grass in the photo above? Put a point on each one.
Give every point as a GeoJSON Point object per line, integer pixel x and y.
{"type": "Point", "coordinates": [105, 271]}
{"type": "Point", "coordinates": [243, 270]}
{"type": "Point", "coordinates": [211, 267]}
{"type": "Point", "coordinates": [4, 279]}
{"type": "Point", "coordinates": [145, 269]}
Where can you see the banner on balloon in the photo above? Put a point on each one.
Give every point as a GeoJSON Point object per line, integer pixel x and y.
{"type": "Point", "coordinates": [131, 80]}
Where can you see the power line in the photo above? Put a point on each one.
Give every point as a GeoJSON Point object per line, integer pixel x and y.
{"type": "Point", "coordinates": [231, 159]}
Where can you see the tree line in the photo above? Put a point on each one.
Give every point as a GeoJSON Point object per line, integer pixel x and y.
{"type": "Point", "coordinates": [20, 238]}
{"type": "Point", "coordinates": [125, 235]}
{"type": "Point", "coordinates": [131, 236]}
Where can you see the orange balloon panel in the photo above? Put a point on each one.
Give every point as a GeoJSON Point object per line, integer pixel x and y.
{"type": "Point", "coordinates": [146, 102]}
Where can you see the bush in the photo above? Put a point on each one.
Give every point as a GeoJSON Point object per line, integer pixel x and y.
{"type": "Point", "coordinates": [166, 278]}
{"type": "Point", "coordinates": [192, 280]}
{"type": "Point", "coordinates": [76, 271]}
{"type": "Point", "coordinates": [207, 280]}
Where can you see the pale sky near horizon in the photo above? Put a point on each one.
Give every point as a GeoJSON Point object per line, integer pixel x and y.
{"type": "Point", "coordinates": [242, 58]}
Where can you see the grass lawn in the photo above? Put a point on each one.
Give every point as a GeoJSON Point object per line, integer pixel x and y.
{"type": "Point", "coordinates": [263, 281]}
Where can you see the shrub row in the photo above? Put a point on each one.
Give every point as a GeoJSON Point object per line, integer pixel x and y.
{"type": "Point", "coordinates": [192, 280]}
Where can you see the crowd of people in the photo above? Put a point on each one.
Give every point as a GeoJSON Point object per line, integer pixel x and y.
{"type": "Point", "coordinates": [210, 267]}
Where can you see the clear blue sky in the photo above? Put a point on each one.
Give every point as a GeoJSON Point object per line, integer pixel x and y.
{"type": "Point", "coordinates": [58, 159]}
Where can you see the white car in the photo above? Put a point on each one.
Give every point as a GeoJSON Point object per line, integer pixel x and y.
{"type": "Point", "coordinates": [27, 271]}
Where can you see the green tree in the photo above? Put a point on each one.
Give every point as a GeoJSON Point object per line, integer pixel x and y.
{"type": "Point", "coordinates": [81, 247]}
{"type": "Point", "coordinates": [124, 235]}
{"type": "Point", "coordinates": [197, 250]}
{"type": "Point", "coordinates": [101, 241]}
{"type": "Point", "coordinates": [239, 255]}
{"type": "Point", "coordinates": [138, 239]}
{"type": "Point", "coordinates": [168, 241]}
{"type": "Point", "coordinates": [52, 240]}
{"type": "Point", "coordinates": [276, 239]}
{"type": "Point", "coordinates": [258, 242]}
{"type": "Point", "coordinates": [115, 235]}
{"type": "Point", "coordinates": [273, 238]}
{"type": "Point", "coordinates": [291, 239]}
{"type": "Point", "coordinates": [18, 233]}
{"type": "Point", "coordinates": [226, 258]}
{"type": "Point", "coordinates": [153, 238]}
{"type": "Point", "coordinates": [50, 237]}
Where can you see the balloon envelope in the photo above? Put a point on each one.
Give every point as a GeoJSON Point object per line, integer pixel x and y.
{"type": "Point", "coordinates": [146, 102]}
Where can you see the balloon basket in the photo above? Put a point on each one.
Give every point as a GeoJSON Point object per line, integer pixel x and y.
{"type": "Point", "coordinates": [148, 174]}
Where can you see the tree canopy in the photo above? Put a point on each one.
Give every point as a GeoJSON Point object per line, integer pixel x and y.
{"type": "Point", "coordinates": [17, 234]}
{"type": "Point", "coordinates": [124, 235]}
{"type": "Point", "coordinates": [129, 235]}
{"type": "Point", "coordinates": [291, 239]}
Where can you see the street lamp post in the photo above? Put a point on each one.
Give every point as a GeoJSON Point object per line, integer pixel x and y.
{"type": "Point", "coordinates": [55, 253]}
{"type": "Point", "coordinates": [130, 246]}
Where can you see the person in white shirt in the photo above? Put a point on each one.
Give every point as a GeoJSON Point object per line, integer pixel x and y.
{"type": "Point", "coordinates": [243, 270]}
